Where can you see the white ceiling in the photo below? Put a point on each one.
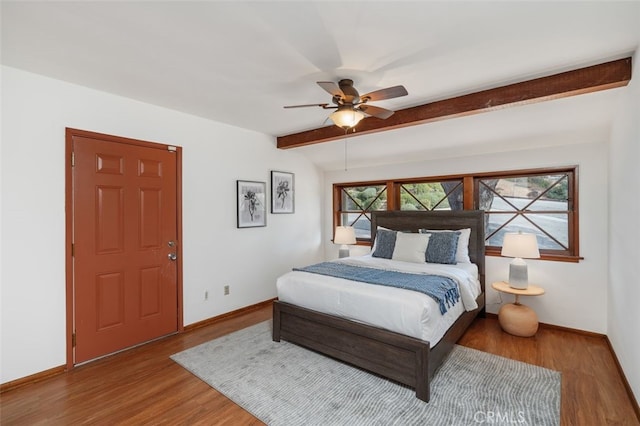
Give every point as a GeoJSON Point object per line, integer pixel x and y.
{"type": "Point", "coordinates": [240, 62]}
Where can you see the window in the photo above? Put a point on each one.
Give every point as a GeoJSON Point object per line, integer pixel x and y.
{"type": "Point", "coordinates": [356, 203]}
{"type": "Point", "coordinates": [445, 195]}
{"type": "Point", "coordinates": [537, 203]}
{"type": "Point", "coordinates": [543, 202]}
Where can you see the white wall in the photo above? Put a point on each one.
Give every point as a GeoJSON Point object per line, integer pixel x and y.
{"type": "Point", "coordinates": [624, 234]}
{"type": "Point", "coordinates": [35, 112]}
{"type": "Point", "coordinates": [576, 293]}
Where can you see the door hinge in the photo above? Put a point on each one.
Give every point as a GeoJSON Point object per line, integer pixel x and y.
{"type": "Point", "coordinates": [73, 159]}
{"type": "Point", "coordinates": [73, 250]}
{"type": "Point", "coordinates": [73, 340]}
{"type": "Point", "coordinates": [172, 148]}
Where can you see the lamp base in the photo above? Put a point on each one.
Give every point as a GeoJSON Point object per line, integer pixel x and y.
{"type": "Point", "coordinates": [344, 252]}
{"type": "Point", "coordinates": [518, 276]}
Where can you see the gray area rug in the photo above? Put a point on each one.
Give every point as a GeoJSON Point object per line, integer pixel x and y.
{"type": "Point", "coordinates": [284, 384]}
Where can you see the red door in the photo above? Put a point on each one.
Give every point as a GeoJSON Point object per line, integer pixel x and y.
{"type": "Point", "coordinates": [124, 238]}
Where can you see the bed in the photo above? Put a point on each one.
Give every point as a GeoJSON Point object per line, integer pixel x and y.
{"type": "Point", "coordinates": [407, 359]}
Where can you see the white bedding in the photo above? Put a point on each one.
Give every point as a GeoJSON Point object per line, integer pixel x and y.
{"type": "Point", "coordinates": [403, 311]}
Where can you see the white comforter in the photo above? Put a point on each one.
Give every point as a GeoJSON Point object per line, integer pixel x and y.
{"type": "Point", "coordinates": [402, 311]}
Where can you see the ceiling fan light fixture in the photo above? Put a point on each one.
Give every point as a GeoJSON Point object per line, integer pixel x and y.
{"type": "Point", "coordinates": [346, 117]}
{"type": "Point", "coordinates": [351, 107]}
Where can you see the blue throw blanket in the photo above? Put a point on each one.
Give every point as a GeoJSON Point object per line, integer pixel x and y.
{"type": "Point", "coordinates": [443, 290]}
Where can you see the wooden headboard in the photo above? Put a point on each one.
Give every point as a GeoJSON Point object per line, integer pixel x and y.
{"type": "Point", "coordinates": [412, 221]}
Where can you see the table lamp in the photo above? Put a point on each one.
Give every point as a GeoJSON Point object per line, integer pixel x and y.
{"type": "Point", "coordinates": [344, 235]}
{"type": "Point", "coordinates": [519, 246]}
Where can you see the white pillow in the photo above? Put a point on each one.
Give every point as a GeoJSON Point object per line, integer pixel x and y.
{"type": "Point", "coordinates": [411, 247]}
{"type": "Point", "coordinates": [462, 252]}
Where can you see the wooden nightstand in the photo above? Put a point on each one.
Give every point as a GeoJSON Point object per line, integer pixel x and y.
{"type": "Point", "coordinates": [516, 318]}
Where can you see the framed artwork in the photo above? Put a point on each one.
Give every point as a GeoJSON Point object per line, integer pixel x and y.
{"type": "Point", "coordinates": [282, 192]}
{"type": "Point", "coordinates": [252, 204]}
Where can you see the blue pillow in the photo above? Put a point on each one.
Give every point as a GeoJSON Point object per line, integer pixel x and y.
{"type": "Point", "coordinates": [385, 243]}
{"type": "Point", "coordinates": [442, 247]}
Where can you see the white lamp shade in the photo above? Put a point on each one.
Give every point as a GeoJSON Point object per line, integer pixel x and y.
{"type": "Point", "coordinates": [344, 235]}
{"type": "Point", "coordinates": [520, 245]}
{"type": "Point", "coordinates": [346, 117]}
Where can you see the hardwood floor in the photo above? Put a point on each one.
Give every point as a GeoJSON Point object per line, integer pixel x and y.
{"type": "Point", "coordinates": [593, 392]}
{"type": "Point", "coordinates": [143, 386]}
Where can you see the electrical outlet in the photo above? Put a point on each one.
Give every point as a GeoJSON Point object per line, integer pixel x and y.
{"type": "Point", "coordinates": [206, 295]}
{"type": "Point", "coordinates": [226, 290]}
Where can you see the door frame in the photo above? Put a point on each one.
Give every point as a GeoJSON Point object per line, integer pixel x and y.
{"type": "Point", "coordinates": [69, 273]}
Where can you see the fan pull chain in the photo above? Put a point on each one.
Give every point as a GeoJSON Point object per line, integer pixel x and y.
{"type": "Point", "coordinates": [345, 149]}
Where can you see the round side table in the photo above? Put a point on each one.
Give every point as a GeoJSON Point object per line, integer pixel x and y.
{"type": "Point", "coordinates": [516, 318]}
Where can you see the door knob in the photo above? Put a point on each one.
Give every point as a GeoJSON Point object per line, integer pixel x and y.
{"type": "Point", "coordinates": [173, 256]}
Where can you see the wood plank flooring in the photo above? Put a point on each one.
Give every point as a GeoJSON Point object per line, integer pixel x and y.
{"type": "Point", "coordinates": [593, 392]}
{"type": "Point", "coordinates": [143, 386]}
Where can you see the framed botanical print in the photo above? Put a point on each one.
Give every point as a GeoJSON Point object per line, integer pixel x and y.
{"type": "Point", "coordinates": [252, 205]}
{"type": "Point", "coordinates": [282, 192]}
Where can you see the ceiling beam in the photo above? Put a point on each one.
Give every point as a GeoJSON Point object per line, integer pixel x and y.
{"type": "Point", "coordinates": [577, 82]}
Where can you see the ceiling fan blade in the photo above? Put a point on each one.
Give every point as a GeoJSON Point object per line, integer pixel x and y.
{"type": "Point", "coordinates": [376, 111]}
{"type": "Point", "coordinates": [306, 105]}
{"type": "Point", "coordinates": [388, 93]}
{"type": "Point", "coordinates": [332, 88]}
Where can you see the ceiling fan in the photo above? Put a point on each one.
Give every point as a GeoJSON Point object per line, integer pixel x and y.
{"type": "Point", "coordinates": [350, 106]}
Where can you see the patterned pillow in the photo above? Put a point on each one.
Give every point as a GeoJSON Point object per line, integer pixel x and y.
{"type": "Point", "coordinates": [462, 253]}
{"type": "Point", "coordinates": [385, 243]}
{"type": "Point", "coordinates": [442, 247]}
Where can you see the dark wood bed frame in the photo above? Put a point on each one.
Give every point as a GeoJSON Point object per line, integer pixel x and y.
{"type": "Point", "coordinates": [404, 359]}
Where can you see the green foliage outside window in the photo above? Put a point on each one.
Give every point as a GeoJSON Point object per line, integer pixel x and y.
{"type": "Point", "coordinates": [422, 196]}
{"type": "Point", "coordinates": [431, 196]}
{"type": "Point", "coordinates": [365, 198]}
